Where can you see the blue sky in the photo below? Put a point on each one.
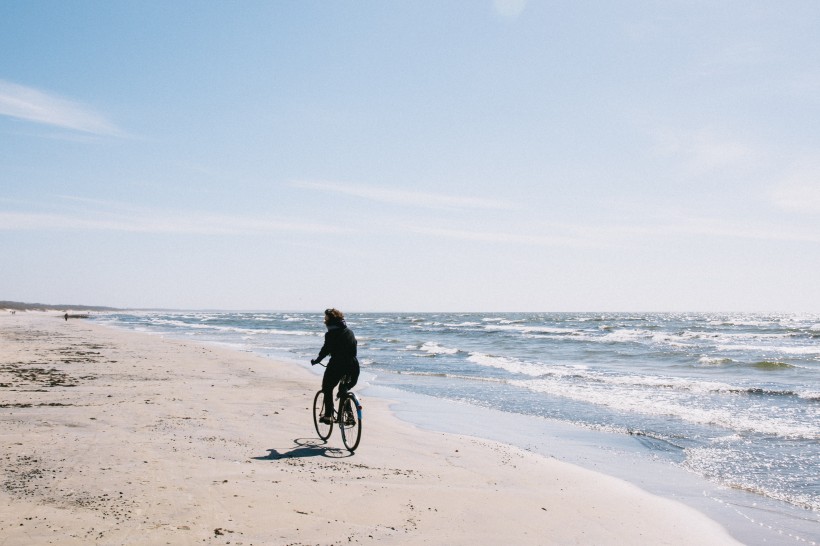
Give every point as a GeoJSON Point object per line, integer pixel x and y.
{"type": "Point", "coordinates": [459, 155]}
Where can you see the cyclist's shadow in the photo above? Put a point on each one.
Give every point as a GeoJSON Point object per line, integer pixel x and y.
{"type": "Point", "coordinates": [304, 447]}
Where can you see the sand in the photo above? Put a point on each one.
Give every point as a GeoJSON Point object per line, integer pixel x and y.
{"type": "Point", "coordinates": [113, 437]}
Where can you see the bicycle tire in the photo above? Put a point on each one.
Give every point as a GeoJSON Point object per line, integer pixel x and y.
{"type": "Point", "coordinates": [350, 422]}
{"type": "Point", "coordinates": [322, 429]}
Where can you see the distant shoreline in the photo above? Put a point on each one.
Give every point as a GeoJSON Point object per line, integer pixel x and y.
{"type": "Point", "coordinates": [22, 306]}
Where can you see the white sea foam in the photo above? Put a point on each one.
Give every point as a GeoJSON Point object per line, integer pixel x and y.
{"type": "Point", "coordinates": [433, 348]}
{"type": "Point", "coordinates": [648, 402]}
{"type": "Point", "coordinates": [671, 384]}
{"type": "Point", "coordinates": [583, 374]}
{"type": "Point", "coordinates": [767, 349]}
{"type": "Point", "coordinates": [731, 438]}
{"type": "Point", "coordinates": [507, 327]}
{"type": "Point", "coordinates": [743, 471]}
{"type": "Point", "coordinates": [621, 336]}
{"type": "Point", "coordinates": [809, 395]}
{"type": "Point", "coordinates": [714, 361]}
{"type": "Point", "coordinates": [509, 364]}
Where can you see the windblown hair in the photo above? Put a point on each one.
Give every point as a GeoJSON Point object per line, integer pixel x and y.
{"type": "Point", "coordinates": [334, 314]}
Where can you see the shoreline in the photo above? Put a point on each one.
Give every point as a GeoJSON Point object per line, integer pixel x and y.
{"type": "Point", "coordinates": [117, 437]}
{"type": "Point", "coordinates": [748, 517]}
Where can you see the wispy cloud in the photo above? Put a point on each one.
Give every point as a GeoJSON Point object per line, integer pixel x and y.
{"type": "Point", "coordinates": [510, 9]}
{"type": "Point", "coordinates": [408, 198]}
{"type": "Point", "coordinates": [30, 104]}
{"type": "Point", "coordinates": [500, 237]}
{"type": "Point", "coordinates": [107, 216]}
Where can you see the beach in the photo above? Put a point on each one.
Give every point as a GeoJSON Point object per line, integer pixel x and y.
{"type": "Point", "coordinates": [115, 437]}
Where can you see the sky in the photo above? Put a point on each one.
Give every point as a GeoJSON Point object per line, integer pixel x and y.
{"type": "Point", "coordinates": [476, 155]}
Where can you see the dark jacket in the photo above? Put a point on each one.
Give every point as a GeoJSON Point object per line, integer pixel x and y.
{"type": "Point", "coordinates": [340, 344]}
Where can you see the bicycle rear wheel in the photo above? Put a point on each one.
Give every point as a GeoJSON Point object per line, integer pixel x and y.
{"type": "Point", "coordinates": [322, 429]}
{"type": "Point", "coordinates": [350, 422]}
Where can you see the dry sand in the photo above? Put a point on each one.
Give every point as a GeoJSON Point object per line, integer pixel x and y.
{"type": "Point", "coordinates": [111, 437]}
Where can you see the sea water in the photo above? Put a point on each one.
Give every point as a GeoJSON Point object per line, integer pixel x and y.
{"type": "Point", "coordinates": [731, 398]}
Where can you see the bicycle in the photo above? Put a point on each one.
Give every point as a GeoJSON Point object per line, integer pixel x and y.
{"type": "Point", "coordinates": [348, 415]}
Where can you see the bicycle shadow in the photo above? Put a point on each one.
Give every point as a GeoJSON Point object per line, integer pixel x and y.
{"type": "Point", "coordinates": [305, 448]}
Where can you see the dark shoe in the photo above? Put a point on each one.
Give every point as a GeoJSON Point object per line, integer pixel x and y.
{"type": "Point", "coordinates": [350, 420]}
{"type": "Point", "coordinates": [326, 419]}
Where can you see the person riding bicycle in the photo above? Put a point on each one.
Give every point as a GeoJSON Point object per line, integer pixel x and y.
{"type": "Point", "coordinates": [343, 367]}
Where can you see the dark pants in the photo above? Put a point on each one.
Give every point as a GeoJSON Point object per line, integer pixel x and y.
{"type": "Point", "coordinates": [333, 374]}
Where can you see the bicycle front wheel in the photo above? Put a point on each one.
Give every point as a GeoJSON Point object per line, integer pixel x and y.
{"type": "Point", "coordinates": [322, 429]}
{"type": "Point", "coordinates": [350, 422]}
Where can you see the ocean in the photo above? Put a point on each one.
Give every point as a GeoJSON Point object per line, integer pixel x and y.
{"type": "Point", "coordinates": [732, 399]}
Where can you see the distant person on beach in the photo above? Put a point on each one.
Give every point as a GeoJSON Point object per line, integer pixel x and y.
{"type": "Point", "coordinates": [66, 317]}
{"type": "Point", "coordinates": [343, 367]}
